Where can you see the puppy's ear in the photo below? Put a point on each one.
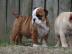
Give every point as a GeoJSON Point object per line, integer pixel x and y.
{"type": "Point", "coordinates": [46, 12]}
{"type": "Point", "coordinates": [34, 8]}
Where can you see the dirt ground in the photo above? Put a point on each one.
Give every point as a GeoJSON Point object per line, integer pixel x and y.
{"type": "Point", "coordinates": [33, 50]}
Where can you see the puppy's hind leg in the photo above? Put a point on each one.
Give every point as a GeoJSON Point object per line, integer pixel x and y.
{"type": "Point", "coordinates": [63, 40]}
{"type": "Point", "coordinates": [20, 38]}
{"type": "Point", "coordinates": [58, 41]}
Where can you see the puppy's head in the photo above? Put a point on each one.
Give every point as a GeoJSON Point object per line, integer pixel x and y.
{"type": "Point", "coordinates": [39, 15]}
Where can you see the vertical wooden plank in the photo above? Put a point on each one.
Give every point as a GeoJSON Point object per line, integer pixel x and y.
{"type": "Point", "coordinates": [19, 8]}
{"type": "Point", "coordinates": [58, 7]}
{"type": "Point", "coordinates": [64, 5]}
{"type": "Point", "coordinates": [71, 6]}
{"type": "Point", "coordinates": [38, 3]}
{"type": "Point", "coordinates": [6, 15]}
{"type": "Point", "coordinates": [2, 17]}
{"type": "Point", "coordinates": [50, 7]}
{"type": "Point", "coordinates": [13, 5]}
{"type": "Point", "coordinates": [55, 13]}
{"type": "Point", "coordinates": [55, 7]}
{"type": "Point", "coordinates": [26, 7]}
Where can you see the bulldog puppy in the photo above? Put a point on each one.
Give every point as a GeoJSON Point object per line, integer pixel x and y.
{"type": "Point", "coordinates": [63, 24]}
{"type": "Point", "coordinates": [33, 27]}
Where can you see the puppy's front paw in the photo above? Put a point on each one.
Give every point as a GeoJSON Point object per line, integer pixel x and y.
{"type": "Point", "coordinates": [65, 46]}
{"type": "Point", "coordinates": [35, 45]}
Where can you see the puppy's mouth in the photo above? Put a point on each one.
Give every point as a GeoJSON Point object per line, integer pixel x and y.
{"type": "Point", "coordinates": [42, 25]}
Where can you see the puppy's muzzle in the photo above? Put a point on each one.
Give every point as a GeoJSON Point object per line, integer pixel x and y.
{"type": "Point", "coordinates": [43, 26]}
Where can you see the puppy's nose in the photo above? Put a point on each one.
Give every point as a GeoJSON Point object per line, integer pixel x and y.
{"type": "Point", "coordinates": [34, 20]}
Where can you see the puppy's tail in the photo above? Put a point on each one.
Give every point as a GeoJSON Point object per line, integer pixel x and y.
{"type": "Point", "coordinates": [15, 14]}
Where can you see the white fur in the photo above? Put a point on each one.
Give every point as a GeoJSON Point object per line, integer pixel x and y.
{"type": "Point", "coordinates": [44, 45]}
{"type": "Point", "coordinates": [35, 17]}
{"type": "Point", "coordinates": [35, 45]}
{"type": "Point", "coordinates": [62, 22]}
{"type": "Point", "coordinates": [61, 25]}
{"type": "Point", "coordinates": [43, 30]}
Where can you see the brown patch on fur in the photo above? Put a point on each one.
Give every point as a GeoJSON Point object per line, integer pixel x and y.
{"type": "Point", "coordinates": [21, 24]}
{"type": "Point", "coordinates": [46, 12]}
{"type": "Point", "coordinates": [40, 12]}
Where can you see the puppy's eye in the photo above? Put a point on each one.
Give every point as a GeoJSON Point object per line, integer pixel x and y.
{"type": "Point", "coordinates": [38, 15]}
{"type": "Point", "coordinates": [40, 18]}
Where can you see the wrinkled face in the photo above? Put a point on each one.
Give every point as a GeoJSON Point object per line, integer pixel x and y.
{"type": "Point", "coordinates": [39, 15]}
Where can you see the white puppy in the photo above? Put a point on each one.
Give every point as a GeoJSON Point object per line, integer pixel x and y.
{"type": "Point", "coordinates": [62, 23]}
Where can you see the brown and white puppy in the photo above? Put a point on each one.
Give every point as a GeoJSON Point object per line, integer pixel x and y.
{"type": "Point", "coordinates": [34, 27]}
{"type": "Point", "coordinates": [63, 24]}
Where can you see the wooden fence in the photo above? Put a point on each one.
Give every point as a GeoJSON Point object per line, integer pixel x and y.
{"type": "Point", "coordinates": [24, 8]}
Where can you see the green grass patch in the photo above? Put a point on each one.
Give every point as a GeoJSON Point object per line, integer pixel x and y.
{"type": "Point", "coordinates": [4, 43]}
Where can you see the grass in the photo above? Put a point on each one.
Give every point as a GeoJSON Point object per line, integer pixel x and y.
{"type": "Point", "coordinates": [4, 43]}
{"type": "Point", "coordinates": [26, 42]}
{"type": "Point", "coordinates": [5, 40]}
